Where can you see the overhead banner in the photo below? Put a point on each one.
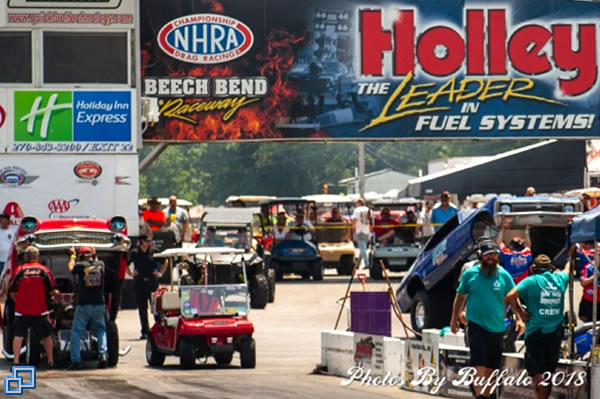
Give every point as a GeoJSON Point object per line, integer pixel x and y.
{"type": "Point", "coordinates": [70, 186]}
{"type": "Point", "coordinates": [67, 121]}
{"type": "Point", "coordinates": [368, 70]}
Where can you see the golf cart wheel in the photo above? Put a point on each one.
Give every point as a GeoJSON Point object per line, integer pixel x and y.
{"type": "Point", "coordinates": [153, 356]}
{"type": "Point", "coordinates": [34, 347]}
{"type": "Point", "coordinates": [259, 295]}
{"type": "Point", "coordinates": [346, 265]}
{"type": "Point", "coordinates": [223, 358]}
{"type": "Point", "coordinates": [271, 280]}
{"type": "Point", "coordinates": [187, 354]}
{"type": "Point", "coordinates": [317, 270]}
{"type": "Point", "coordinates": [376, 272]}
{"type": "Point", "coordinates": [278, 271]}
{"type": "Point", "coordinates": [248, 353]}
{"type": "Point", "coordinates": [7, 329]}
{"type": "Point", "coordinates": [112, 341]}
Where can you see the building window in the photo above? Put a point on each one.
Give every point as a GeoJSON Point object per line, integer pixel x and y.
{"type": "Point", "coordinates": [84, 57]}
{"type": "Point", "coordinates": [15, 64]}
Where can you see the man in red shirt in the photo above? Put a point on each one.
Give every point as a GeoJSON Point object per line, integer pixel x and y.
{"type": "Point", "coordinates": [384, 226]}
{"type": "Point", "coordinates": [154, 216]}
{"type": "Point", "coordinates": [30, 289]}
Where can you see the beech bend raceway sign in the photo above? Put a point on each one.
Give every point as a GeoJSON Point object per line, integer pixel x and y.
{"type": "Point", "coordinates": [397, 70]}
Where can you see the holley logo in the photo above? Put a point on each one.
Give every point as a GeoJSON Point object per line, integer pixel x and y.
{"type": "Point", "coordinates": [43, 116]}
{"type": "Point", "coordinates": [205, 38]}
{"type": "Point", "coordinates": [88, 172]}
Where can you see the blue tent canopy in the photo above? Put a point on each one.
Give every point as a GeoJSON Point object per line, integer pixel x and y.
{"type": "Point", "coordinates": [586, 227]}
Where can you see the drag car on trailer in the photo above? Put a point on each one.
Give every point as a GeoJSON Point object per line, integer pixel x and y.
{"type": "Point", "coordinates": [428, 290]}
{"type": "Point", "coordinates": [240, 228]}
{"type": "Point", "coordinates": [54, 238]}
{"type": "Point", "coordinates": [201, 317]}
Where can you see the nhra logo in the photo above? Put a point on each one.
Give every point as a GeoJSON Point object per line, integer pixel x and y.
{"type": "Point", "coordinates": [59, 206]}
{"type": "Point", "coordinates": [13, 176]}
{"type": "Point", "coordinates": [88, 172]}
{"type": "Point", "coordinates": [205, 38]}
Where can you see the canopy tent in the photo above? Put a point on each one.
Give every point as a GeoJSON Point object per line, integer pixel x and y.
{"type": "Point", "coordinates": [586, 227]}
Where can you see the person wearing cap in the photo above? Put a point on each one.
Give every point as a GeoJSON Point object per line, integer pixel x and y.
{"type": "Point", "coordinates": [543, 294]}
{"type": "Point", "coordinates": [384, 226]}
{"type": "Point", "coordinates": [361, 224]}
{"type": "Point", "coordinates": [179, 216]}
{"type": "Point", "coordinates": [7, 235]}
{"type": "Point", "coordinates": [90, 309]}
{"type": "Point", "coordinates": [30, 289]}
{"type": "Point", "coordinates": [154, 216]}
{"type": "Point", "coordinates": [145, 277]}
{"type": "Point", "coordinates": [443, 211]}
{"type": "Point", "coordinates": [483, 288]}
{"type": "Point", "coordinates": [516, 257]}
{"type": "Point", "coordinates": [143, 226]}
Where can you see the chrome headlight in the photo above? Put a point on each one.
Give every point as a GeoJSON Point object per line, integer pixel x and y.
{"type": "Point", "coordinates": [29, 224]}
{"type": "Point", "coordinates": [505, 208]}
{"type": "Point", "coordinates": [569, 208]}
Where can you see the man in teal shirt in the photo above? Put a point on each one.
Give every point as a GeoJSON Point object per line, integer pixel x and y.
{"type": "Point", "coordinates": [483, 288]}
{"type": "Point", "coordinates": [543, 293]}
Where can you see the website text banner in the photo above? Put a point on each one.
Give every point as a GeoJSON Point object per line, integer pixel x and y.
{"type": "Point", "coordinates": [365, 70]}
{"type": "Point", "coordinates": [69, 186]}
{"type": "Point", "coordinates": [68, 121]}
{"type": "Point", "coordinates": [68, 14]}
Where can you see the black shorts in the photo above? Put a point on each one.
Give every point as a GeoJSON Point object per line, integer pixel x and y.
{"type": "Point", "coordinates": [542, 352]}
{"type": "Point", "coordinates": [485, 347]}
{"type": "Point", "coordinates": [39, 324]}
{"type": "Point", "coordinates": [586, 310]}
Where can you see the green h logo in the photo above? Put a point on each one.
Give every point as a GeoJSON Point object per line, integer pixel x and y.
{"type": "Point", "coordinates": [43, 116]}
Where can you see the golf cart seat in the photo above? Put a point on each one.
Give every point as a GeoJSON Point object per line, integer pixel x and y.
{"type": "Point", "coordinates": [169, 303]}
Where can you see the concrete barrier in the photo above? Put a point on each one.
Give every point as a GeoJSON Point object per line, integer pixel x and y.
{"type": "Point", "coordinates": [337, 351]}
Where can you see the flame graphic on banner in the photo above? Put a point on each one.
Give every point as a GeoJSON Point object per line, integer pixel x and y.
{"type": "Point", "coordinates": [253, 121]}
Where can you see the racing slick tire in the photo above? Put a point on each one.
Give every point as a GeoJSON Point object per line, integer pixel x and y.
{"type": "Point", "coordinates": [248, 353]}
{"type": "Point", "coordinates": [112, 341]}
{"type": "Point", "coordinates": [346, 265]}
{"type": "Point", "coordinates": [259, 296]}
{"type": "Point", "coordinates": [424, 315]}
{"type": "Point", "coordinates": [34, 348]}
{"type": "Point", "coordinates": [317, 270]}
{"type": "Point", "coordinates": [271, 280]}
{"type": "Point", "coordinates": [376, 272]}
{"type": "Point", "coordinates": [7, 330]}
{"type": "Point", "coordinates": [153, 356]}
{"type": "Point", "coordinates": [187, 354]}
{"type": "Point", "coordinates": [223, 358]}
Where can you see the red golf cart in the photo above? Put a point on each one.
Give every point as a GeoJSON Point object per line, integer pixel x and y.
{"type": "Point", "coordinates": [202, 318]}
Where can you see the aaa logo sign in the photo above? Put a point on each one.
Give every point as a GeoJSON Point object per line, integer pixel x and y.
{"type": "Point", "coordinates": [43, 116]}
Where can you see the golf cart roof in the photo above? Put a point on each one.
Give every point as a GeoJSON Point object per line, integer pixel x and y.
{"type": "Point", "coordinates": [328, 198]}
{"type": "Point", "coordinates": [248, 198]}
{"type": "Point", "coordinates": [173, 252]}
{"type": "Point", "coordinates": [229, 216]}
{"type": "Point", "coordinates": [285, 200]}
{"type": "Point", "coordinates": [399, 201]}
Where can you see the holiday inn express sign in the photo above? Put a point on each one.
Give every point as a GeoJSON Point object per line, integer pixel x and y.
{"type": "Point", "coordinates": [350, 70]}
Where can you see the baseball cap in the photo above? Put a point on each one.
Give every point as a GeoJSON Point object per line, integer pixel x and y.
{"type": "Point", "coordinates": [86, 250]}
{"type": "Point", "coordinates": [487, 247]}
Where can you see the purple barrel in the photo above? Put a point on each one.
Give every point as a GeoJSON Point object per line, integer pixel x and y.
{"type": "Point", "coordinates": [371, 313]}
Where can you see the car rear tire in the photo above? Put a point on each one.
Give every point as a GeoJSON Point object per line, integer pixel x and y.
{"type": "Point", "coordinates": [376, 272]}
{"type": "Point", "coordinates": [346, 265]}
{"type": "Point", "coordinates": [260, 292]}
{"type": "Point", "coordinates": [34, 347]}
{"type": "Point", "coordinates": [223, 358]}
{"type": "Point", "coordinates": [187, 354]}
{"type": "Point", "coordinates": [153, 357]}
{"type": "Point", "coordinates": [424, 315]}
{"type": "Point", "coordinates": [317, 270]}
{"type": "Point", "coordinates": [112, 341]}
{"type": "Point", "coordinates": [271, 280]}
{"type": "Point", "coordinates": [248, 353]}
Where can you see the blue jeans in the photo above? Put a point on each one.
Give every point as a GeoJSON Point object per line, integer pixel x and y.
{"type": "Point", "coordinates": [94, 315]}
{"type": "Point", "coordinates": [362, 240]}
